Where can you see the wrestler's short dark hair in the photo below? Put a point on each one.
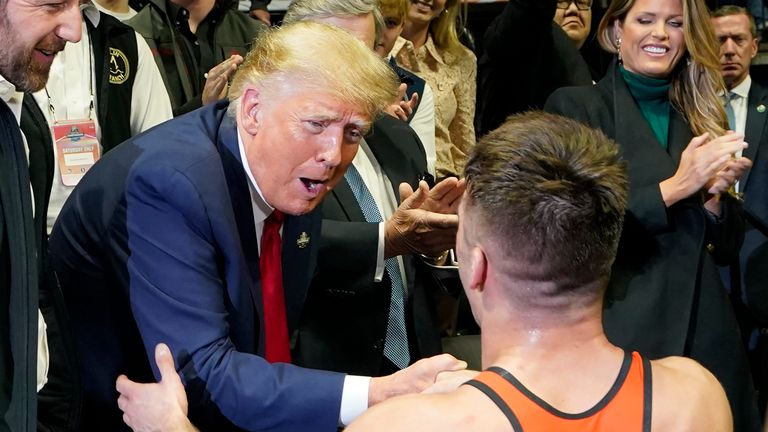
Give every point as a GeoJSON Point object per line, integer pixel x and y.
{"type": "Point", "coordinates": [551, 194]}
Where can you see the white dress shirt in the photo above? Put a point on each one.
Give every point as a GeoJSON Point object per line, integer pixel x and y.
{"type": "Point", "coordinates": [70, 85]}
{"type": "Point", "coordinates": [740, 105]}
{"type": "Point", "coordinates": [354, 396]}
{"type": "Point", "coordinates": [13, 99]}
{"type": "Point", "coordinates": [122, 16]}
{"type": "Point", "coordinates": [380, 187]}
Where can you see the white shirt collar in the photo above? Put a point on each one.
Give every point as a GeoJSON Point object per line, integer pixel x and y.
{"type": "Point", "coordinates": [743, 88]}
{"type": "Point", "coordinates": [90, 12]}
{"type": "Point", "coordinates": [11, 97]}
{"type": "Point", "coordinates": [261, 209]}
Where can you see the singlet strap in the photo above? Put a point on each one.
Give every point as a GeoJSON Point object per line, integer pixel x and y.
{"type": "Point", "coordinates": [626, 403]}
{"type": "Point", "coordinates": [647, 394]}
{"type": "Point", "coordinates": [498, 401]}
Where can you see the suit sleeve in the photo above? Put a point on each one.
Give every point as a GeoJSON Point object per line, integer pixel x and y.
{"type": "Point", "coordinates": [178, 296]}
{"type": "Point", "coordinates": [726, 233]}
{"type": "Point", "coordinates": [528, 20]}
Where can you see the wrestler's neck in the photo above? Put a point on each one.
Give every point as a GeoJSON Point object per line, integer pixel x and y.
{"type": "Point", "coordinates": [531, 336]}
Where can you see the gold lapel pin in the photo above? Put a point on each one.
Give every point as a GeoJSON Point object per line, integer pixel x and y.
{"type": "Point", "coordinates": [303, 240]}
{"type": "Point", "coordinates": [761, 108]}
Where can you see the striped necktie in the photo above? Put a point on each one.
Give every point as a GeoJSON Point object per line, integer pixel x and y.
{"type": "Point", "coordinates": [396, 342]}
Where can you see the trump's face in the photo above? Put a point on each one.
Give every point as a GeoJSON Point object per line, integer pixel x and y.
{"type": "Point", "coordinates": [31, 33]}
{"type": "Point", "coordinates": [298, 141]}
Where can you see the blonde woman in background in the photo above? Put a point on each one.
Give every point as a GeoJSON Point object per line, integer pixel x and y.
{"type": "Point", "coordinates": [430, 47]}
{"type": "Point", "coordinates": [661, 101]}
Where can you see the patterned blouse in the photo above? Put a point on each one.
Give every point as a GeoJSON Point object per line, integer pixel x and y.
{"type": "Point", "coordinates": [452, 78]}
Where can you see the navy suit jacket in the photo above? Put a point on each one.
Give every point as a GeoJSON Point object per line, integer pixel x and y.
{"type": "Point", "coordinates": [157, 244]}
{"type": "Point", "coordinates": [754, 184]}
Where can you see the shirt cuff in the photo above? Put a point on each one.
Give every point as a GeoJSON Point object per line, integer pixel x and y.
{"type": "Point", "coordinates": [354, 398]}
{"type": "Point", "coordinates": [380, 255]}
{"type": "Point", "coordinates": [42, 351]}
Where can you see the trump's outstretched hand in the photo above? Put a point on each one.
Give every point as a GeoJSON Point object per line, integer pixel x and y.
{"type": "Point", "coordinates": [413, 379]}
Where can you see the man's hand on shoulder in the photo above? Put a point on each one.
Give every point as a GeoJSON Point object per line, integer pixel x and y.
{"type": "Point", "coordinates": [687, 397]}
{"type": "Point", "coordinates": [160, 407]}
{"type": "Point", "coordinates": [412, 379]}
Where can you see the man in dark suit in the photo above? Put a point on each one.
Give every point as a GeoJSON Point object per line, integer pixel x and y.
{"type": "Point", "coordinates": [505, 85]}
{"type": "Point", "coordinates": [174, 236]}
{"type": "Point", "coordinates": [367, 311]}
{"type": "Point", "coordinates": [31, 35]}
{"type": "Point", "coordinates": [746, 107]}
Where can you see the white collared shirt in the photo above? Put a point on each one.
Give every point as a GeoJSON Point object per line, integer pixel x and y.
{"type": "Point", "coordinates": [740, 105]}
{"type": "Point", "coordinates": [122, 16]}
{"type": "Point", "coordinates": [423, 123]}
{"type": "Point", "coordinates": [13, 99]}
{"type": "Point", "coordinates": [380, 187]}
{"type": "Point", "coordinates": [71, 84]}
{"type": "Point", "coordinates": [354, 395]}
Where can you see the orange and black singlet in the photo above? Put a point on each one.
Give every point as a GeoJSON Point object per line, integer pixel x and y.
{"type": "Point", "coordinates": [626, 406]}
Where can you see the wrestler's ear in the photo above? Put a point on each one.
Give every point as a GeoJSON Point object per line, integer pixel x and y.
{"type": "Point", "coordinates": [479, 268]}
{"type": "Point", "coordinates": [250, 106]}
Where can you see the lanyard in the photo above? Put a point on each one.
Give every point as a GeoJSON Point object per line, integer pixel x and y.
{"type": "Point", "coordinates": [52, 110]}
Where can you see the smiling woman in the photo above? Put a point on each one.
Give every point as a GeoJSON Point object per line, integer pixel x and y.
{"type": "Point", "coordinates": [430, 47]}
{"type": "Point", "coordinates": [661, 103]}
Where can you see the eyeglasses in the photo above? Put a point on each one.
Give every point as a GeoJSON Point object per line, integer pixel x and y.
{"type": "Point", "coordinates": [580, 4]}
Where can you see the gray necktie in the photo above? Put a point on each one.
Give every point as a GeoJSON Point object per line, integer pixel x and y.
{"type": "Point", "coordinates": [730, 96]}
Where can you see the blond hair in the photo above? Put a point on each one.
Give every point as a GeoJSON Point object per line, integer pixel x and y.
{"type": "Point", "coordinates": [444, 28]}
{"type": "Point", "coordinates": [696, 82]}
{"type": "Point", "coordinates": [396, 8]}
{"type": "Point", "coordinates": [321, 56]}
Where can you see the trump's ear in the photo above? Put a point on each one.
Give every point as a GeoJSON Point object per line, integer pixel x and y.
{"type": "Point", "coordinates": [250, 106]}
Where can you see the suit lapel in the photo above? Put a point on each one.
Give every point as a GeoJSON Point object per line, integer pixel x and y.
{"type": "Point", "coordinates": [240, 196]}
{"type": "Point", "coordinates": [679, 136]}
{"type": "Point", "coordinates": [301, 235]}
{"type": "Point", "coordinates": [648, 161]}
{"type": "Point", "coordinates": [347, 201]}
{"type": "Point", "coordinates": [755, 125]}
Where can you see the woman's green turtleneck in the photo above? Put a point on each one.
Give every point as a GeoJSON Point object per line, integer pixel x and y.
{"type": "Point", "coordinates": [652, 97]}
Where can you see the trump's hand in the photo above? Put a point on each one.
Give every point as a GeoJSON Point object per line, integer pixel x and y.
{"type": "Point", "coordinates": [449, 381]}
{"type": "Point", "coordinates": [426, 220]}
{"type": "Point", "coordinates": [413, 379]}
{"type": "Point", "coordinates": [160, 407]}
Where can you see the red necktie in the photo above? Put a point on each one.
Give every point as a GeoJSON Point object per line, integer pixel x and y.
{"type": "Point", "coordinates": [273, 298]}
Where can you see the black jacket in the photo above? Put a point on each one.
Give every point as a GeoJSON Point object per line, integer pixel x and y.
{"type": "Point", "coordinates": [665, 296]}
{"type": "Point", "coordinates": [508, 83]}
